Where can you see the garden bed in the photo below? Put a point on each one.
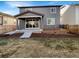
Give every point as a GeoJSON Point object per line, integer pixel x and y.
{"type": "Point", "coordinates": [53, 35]}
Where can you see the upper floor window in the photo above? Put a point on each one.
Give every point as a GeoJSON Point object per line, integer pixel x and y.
{"type": "Point", "coordinates": [53, 10]}
{"type": "Point", "coordinates": [1, 20]}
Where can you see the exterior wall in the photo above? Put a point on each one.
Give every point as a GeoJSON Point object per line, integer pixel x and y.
{"type": "Point", "coordinates": [77, 15]}
{"type": "Point", "coordinates": [9, 20]}
{"type": "Point", "coordinates": [7, 28]}
{"type": "Point", "coordinates": [69, 17]}
{"type": "Point", "coordinates": [47, 14]}
{"type": "Point", "coordinates": [8, 24]}
{"type": "Point", "coordinates": [22, 24]}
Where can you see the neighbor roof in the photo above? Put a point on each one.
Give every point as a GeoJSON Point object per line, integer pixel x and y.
{"type": "Point", "coordinates": [39, 6]}
{"type": "Point", "coordinates": [28, 11]}
{"type": "Point", "coordinates": [4, 14]}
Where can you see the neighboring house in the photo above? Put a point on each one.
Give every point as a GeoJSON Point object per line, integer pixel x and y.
{"type": "Point", "coordinates": [7, 22]}
{"type": "Point", "coordinates": [38, 17]}
{"type": "Point", "coordinates": [70, 15]}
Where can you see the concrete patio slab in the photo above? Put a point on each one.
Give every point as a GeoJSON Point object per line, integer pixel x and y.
{"type": "Point", "coordinates": [11, 33]}
{"type": "Point", "coordinates": [26, 33]}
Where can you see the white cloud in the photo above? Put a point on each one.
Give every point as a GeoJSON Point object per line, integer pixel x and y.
{"type": "Point", "coordinates": [7, 12]}
{"type": "Point", "coordinates": [18, 3]}
{"type": "Point", "coordinates": [12, 6]}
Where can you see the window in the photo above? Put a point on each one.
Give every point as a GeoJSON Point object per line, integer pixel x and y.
{"type": "Point", "coordinates": [53, 10]}
{"type": "Point", "coordinates": [1, 20]}
{"type": "Point", "coordinates": [50, 21]}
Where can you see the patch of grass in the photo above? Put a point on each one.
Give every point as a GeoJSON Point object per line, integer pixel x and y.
{"type": "Point", "coordinates": [40, 47]}
{"type": "Point", "coordinates": [59, 47]}
{"type": "Point", "coordinates": [9, 52]}
{"type": "Point", "coordinates": [3, 42]}
{"type": "Point", "coordinates": [59, 44]}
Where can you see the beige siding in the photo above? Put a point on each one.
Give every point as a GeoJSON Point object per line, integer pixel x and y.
{"type": "Point", "coordinates": [7, 28]}
{"type": "Point", "coordinates": [69, 17]}
{"type": "Point", "coordinates": [9, 20]}
{"type": "Point", "coordinates": [9, 24]}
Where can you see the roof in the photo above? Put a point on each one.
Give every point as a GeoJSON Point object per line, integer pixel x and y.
{"type": "Point", "coordinates": [40, 6]}
{"type": "Point", "coordinates": [62, 6]}
{"type": "Point", "coordinates": [4, 14]}
{"type": "Point", "coordinates": [28, 11]}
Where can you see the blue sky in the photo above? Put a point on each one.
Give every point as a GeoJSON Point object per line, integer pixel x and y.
{"type": "Point", "coordinates": [10, 7]}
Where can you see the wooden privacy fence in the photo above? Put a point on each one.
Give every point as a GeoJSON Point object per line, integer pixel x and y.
{"type": "Point", "coordinates": [72, 28]}
{"type": "Point", "coordinates": [7, 28]}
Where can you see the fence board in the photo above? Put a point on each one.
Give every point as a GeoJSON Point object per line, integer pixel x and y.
{"type": "Point", "coordinates": [73, 28]}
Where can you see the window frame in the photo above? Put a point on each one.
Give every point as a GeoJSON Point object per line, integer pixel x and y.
{"type": "Point", "coordinates": [51, 19]}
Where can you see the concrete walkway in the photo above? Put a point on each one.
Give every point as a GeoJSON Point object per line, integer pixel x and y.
{"type": "Point", "coordinates": [26, 33]}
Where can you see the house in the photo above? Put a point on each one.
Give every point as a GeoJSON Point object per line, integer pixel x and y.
{"type": "Point", "coordinates": [38, 17]}
{"type": "Point", "coordinates": [70, 18]}
{"type": "Point", "coordinates": [70, 15]}
{"type": "Point", "coordinates": [7, 22]}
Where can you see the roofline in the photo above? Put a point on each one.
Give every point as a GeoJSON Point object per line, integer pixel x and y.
{"type": "Point", "coordinates": [40, 6]}
{"type": "Point", "coordinates": [4, 14]}
{"type": "Point", "coordinates": [62, 6]}
{"type": "Point", "coordinates": [28, 12]}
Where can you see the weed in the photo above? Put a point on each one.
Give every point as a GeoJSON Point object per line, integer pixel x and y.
{"type": "Point", "coordinates": [59, 47]}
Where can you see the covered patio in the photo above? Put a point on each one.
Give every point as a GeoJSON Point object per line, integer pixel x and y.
{"type": "Point", "coordinates": [29, 23]}
{"type": "Point", "coordinates": [29, 20]}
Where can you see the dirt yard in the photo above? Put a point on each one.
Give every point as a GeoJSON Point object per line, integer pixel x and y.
{"type": "Point", "coordinates": [53, 44]}
{"type": "Point", "coordinates": [39, 47]}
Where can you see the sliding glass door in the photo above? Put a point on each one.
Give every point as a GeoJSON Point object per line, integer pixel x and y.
{"type": "Point", "coordinates": [32, 23]}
